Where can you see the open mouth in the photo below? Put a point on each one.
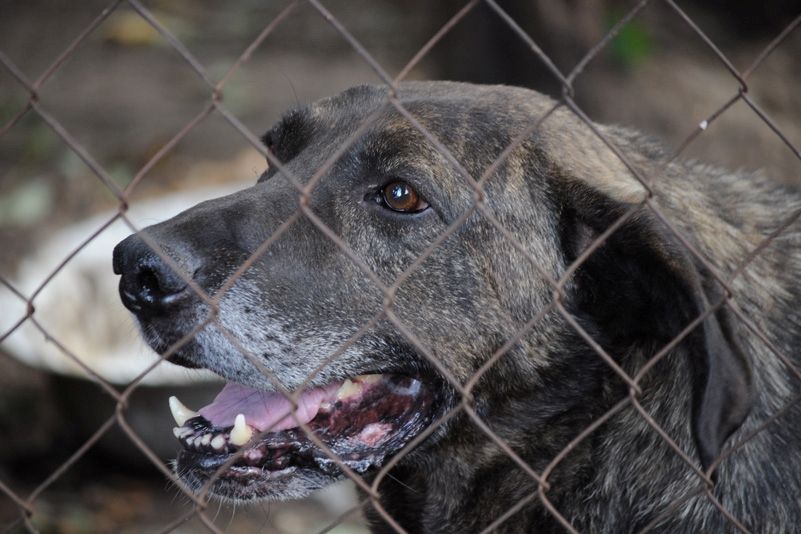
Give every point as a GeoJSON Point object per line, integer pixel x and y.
{"type": "Point", "coordinates": [251, 441]}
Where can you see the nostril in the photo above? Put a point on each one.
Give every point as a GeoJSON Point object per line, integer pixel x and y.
{"type": "Point", "coordinates": [152, 288]}
{"type": "Point", "coordinates": [149, 281]}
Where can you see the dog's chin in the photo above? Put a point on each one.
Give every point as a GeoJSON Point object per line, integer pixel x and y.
{"type": "Point", "coordinates": [240, 484]}
{"type": "Point", "coordinates": [251, 444]}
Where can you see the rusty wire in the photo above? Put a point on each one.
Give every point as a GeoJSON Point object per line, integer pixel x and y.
{"type": "Point", "coordinates": [26, 504]}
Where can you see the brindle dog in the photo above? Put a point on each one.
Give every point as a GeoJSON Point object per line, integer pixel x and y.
{"type": "Point", "coordinates": [388, 197]}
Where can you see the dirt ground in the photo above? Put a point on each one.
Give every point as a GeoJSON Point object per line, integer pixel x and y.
{"type": "Point", "coordinates": [125, 93]}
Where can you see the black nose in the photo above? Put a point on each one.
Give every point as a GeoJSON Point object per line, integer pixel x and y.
{"type": "Point", "coordinates": [149, 286]}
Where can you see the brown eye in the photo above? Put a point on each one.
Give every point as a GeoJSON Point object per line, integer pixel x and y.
{"type": "Point", "coordinates": [399, 196]}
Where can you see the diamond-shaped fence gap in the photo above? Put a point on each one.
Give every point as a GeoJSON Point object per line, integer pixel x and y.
{"type": "Point", "coordinates": [527, 41]}
{"type": "Point", "coordinates": [391, 49]}
{"type": "Point", "coordinates": [213, 33]}
{"type": "Point", "coordinates": [38, 171]}
{"type": "Point", "coordinates": [66, 137]}
{"type": "Point", "coordinates": [777, 41]}
{"type": "Point", "coordinates": [774, 156]}
{"type": "Point", "coordinates": [125, 127]}
{"type": "Point", "coordinates": [708, 41]}
{"type": "Point", "coordinates": [344, 516]}
{"type": "Point", "coordinates": [619, 27]}
{"type": "Point", "coordinates": [69, 459]}
{"type": "Point", "coordinates": [301, 60]}
{"type": "Point", "coordinates": [58, 33]}
{"type": "Point", "coordinates": [13, 103]}
{"type": "Point", "coordinates": [199, 160]}
{"type": "Point", "coordinates": [647, 69]}
{"type": "Point", "coordinates": [66, 274]}
{"type": "Point", "coordinates": [773, 125]}
{"type": "Point", "coordinates": [440, 34]}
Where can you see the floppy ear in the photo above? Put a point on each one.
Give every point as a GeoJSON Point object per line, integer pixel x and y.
{"type": "Point", "coordinates": [642, 288]}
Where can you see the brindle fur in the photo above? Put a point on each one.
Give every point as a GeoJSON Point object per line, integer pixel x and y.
{"type": "Point", "coordinates": [556, 193]}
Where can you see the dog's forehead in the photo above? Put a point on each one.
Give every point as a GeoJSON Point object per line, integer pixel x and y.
{"type": "Point", "coordinates": [418, 119]}
{"type": "Point", "coordinates": [426, 101]}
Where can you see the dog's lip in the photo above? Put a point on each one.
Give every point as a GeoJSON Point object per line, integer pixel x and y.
{"type": "Point", "coordinates": [361, 420]}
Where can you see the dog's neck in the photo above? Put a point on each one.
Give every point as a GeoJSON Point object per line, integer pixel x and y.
{"type": "Point", "coordinates": [459, 482]}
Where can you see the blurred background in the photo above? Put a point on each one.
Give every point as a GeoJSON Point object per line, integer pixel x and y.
{"type": "Point", "coordinates": [125, 92]}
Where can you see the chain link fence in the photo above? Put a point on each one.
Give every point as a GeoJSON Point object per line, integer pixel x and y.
{"type": "Point", "coordinates": [200, 509]}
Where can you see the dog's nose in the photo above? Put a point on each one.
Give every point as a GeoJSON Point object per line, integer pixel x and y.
{"type": "Point", "coordinates": [149, 286]}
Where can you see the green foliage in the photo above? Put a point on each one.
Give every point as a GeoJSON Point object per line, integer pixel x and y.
{"type": "Point", "coordinates": [632, 44]}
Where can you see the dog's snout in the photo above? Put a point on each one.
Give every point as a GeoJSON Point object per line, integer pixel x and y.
{"type": "Point", "coordinates": [149, 286]}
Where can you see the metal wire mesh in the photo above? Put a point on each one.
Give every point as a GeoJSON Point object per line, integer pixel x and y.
{"type": "Point", "coordinates": [27, 503]}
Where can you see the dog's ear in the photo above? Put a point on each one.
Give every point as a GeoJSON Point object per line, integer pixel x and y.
{"type": "Point", "coordinates": [641, 288]}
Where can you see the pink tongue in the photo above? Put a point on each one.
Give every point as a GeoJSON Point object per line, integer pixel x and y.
{"type": "Point", "coordinates": [264, 410]}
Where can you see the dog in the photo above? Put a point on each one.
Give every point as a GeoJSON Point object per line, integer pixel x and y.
{"type": "Point", "coordinates": [582, 272]}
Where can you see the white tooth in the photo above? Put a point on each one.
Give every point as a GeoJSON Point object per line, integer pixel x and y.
{"type": "Point", "coordinates": [205, 439]}
{"type": "Point", "coordinates": [176, 431]}
{"type": "Point", "coordinates": [241, 433]}
{"type": "Point", "coordinates": [368, 379]}
{"type": "Point", "coordinates": [218, 442]}
{"type": "Point", "coordinates": [184, 431]}
{"type": "Point", "coordinates": [348, 389]}
{"type": "Point", "coordinates": [180, 412]}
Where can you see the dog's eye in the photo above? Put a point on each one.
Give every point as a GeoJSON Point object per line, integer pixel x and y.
{"type": "Point", "coordinates": [400, 196]}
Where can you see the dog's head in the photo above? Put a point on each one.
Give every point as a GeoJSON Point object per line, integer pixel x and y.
{"type": "Point", "coordinates": [327, 293]}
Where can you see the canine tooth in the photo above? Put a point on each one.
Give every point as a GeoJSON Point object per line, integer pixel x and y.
{"type": "Point", "coordinates": [184, 431]}
{"type": "Point", "coordinates": [180, 412]}
{"type": "Point", "coordinates": [241, 433]}
{"type": "Point", "coordinates": [218, 442]}
{"type": "Point", "coordinates": [205, 439]}
{"type": "Point", "coordinates": [176, 431]}
{"type": "Point", "coordinates": [348, 389]}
